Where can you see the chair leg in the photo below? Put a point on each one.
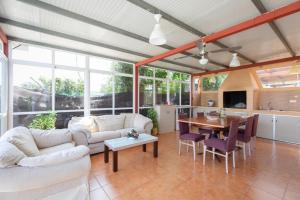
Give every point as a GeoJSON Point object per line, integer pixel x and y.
{"type": "Point", "coordinates": [233, 158]}
{"type": "Point", "coordinates": [187, 147]}
{"type": "Point", "coordinates": [194, 150]}
{"type": "Point", "coordinates": [204, 154]}
{"type": "Point", "coordinates": [249, 148]}
{"type": "Point", "coordinates": [244, 150]}
{"type": "Point", "coordinates": [226, 162]}
{"type": "Point", "coordinates": [179, 147]}
{"type": "Point", "coordinates": [213, 149]}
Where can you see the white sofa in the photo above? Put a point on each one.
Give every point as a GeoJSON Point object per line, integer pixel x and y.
{"type": "Point", "coordinates": [37, 164]}
{"type": "Point", "coordinates": [93, 130]}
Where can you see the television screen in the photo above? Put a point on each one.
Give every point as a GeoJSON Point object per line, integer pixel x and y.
{"type": "Point", "coordinates": [235, 99]}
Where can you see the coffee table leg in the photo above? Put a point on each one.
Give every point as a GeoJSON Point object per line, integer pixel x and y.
{"type": "Point", "coordinates": [144, 147]}
{"type": "Point", "coordinates": [106, 154]}
{"type": "Point", "coordinates": [155, 149]}
{"type": "Point", "coordinates": [115, 161]}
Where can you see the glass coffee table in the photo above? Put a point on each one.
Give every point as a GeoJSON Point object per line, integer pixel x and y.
{"type": "Point", "coordinates": [125, 143]}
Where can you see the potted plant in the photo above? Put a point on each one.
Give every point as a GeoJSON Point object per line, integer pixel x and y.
{"type": "Point", "coordinates": [44, 121]}
{"type": "Point", "coordinates": [152, 114]}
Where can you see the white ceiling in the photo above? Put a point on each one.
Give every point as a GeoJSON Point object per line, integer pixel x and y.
{"type": "Point", "coordinates": [259, 43]}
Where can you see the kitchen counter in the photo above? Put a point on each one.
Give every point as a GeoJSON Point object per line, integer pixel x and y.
{"type": "Point", "coordinates": [278, 112]}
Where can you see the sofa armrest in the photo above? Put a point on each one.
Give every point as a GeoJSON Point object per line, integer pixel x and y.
{"type": "Point", "coordinates": [80, 135]}
{"type": "Point", "coordinates": [142, 123]}
{"type": "Point", "coordinates": [18, 178]}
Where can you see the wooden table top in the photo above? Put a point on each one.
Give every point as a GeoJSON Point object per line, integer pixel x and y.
{"type": "Point", "coordinates": [221, 123]}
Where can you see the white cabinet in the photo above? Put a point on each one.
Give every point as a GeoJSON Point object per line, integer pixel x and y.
{"type": "Point", "coordinates": [166, 118]}
{"type": "Point", "coordinates": [287, 129]}
{"type": "Point", "coordinates": [265, 127]}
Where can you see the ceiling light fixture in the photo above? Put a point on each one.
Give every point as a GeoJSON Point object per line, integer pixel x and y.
{"type": "Point", "coordinates": [203, 60]}
{"type": "Point", "coordinates": [235, 61]}
{"type": "Point", "coordinates": [157, 36]}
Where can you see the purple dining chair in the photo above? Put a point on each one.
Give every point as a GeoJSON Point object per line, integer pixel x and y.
{"type": "Point", "coordinates": [204, 130]}
{"type": "Point", "coordinates": [225, 147]}
{"type": "Point", "coordinates": [253, 132]}
{"type": "Point", "coordinates": [188, 138]}
{"type": "Point", "coordinates": [244, 135]}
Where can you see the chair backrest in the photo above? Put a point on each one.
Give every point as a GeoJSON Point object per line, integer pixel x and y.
{"type": "Point", "coordinates": [248, 129]}
{"type": "Point", "coordinates": [183, 128]}
{"type": "Point", "coordinates": [232, 136]}
{"type": "Point", "coordinates": [254, 126]}
{"type": "Point", "coordinates": [200, 114]}
{"type": "Point", "coordinates": [182, 115]}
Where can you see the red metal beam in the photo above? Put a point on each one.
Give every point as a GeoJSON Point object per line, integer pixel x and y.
{"type": "Point", "coordinates": [259, 20]}
{"type": "Point", "coordinates": [282, 60]}
{"type": "Point", "coordinates": [4, 39]}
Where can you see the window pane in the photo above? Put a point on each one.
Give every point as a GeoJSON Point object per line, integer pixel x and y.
{"type": "Point", "coordinates": [101, 64]}
{"type": "Point", "coordinates": [69, 59]}
{"type": "Point", "coordinates": [185, 77]}
{"type": "Point", "coordinates": [174, 92]}
{"type": "Point", "coordinates": [213, 83]}
{"type": "Point", "coordinates": [101, 86]}
{"type": "Point", "coordinates": [123, 67]}
{"type": "Point", "coordinates": [123, 92]}
{"type": "Point", "coordinates": [101, 112]}
{"type": "Point", "coordinates": [22, 120]}
{"type": "Point", "coordinates": [185, 94]}
{"type": "Point", "coordinates": [146, 92]}
{"type": "Point", "coordinates": [146, 71]}
{"type": "Point", "coordinates": [288, 76]}
{"type": "Point", "coordinates": [117, 112]}
{"type": "Point", "coordinates": [144, 111]}
{"type": "Point", "coordinates": [31, 53]}
{"type": "Point", "coordinates": [69, 89]}
{"type": "Point", "coordinates": [161, 73]}
{"type": "Point", "coordinates": [32, 88]}
{"type": "Point", "coordinates": [175, 76]}
{"type": "Point", "coordinates": [161, 92]}
{"type": "Point", "coordinates": [62, 119]}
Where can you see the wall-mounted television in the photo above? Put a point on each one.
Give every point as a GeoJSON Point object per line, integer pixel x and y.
{"type": "Point", "coordinates": [235, 99]}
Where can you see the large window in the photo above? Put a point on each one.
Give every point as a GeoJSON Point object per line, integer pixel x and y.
{"type": "Point", "coordinates": [287, 76]}
{"type": "Point", "coordinates": [72, 84]}
{"type": "Point", "coordinates": [213, 83]}
{"type": "Point", "coordinates": [3, 93]}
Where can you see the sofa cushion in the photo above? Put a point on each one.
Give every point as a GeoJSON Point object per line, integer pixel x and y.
{"type": "Point", "coordinates": [22, 139]}
{"type": "Point", "coordinates": [87, 123]}
{"type": "Point", "coordinates": [55, 157]}
{"type": "Point", "coordinates": [140, 122]}
{"type": "Point", "coordinates": [105, 135]}
{"type": "Point", "coordinates": [129, 119]}
{"type": "Point", "coordinates": [50, 138]}
{"type": "Point", "coordinates": [56, 148]}
{"type": "Point", "coordinates": [9, 154]}
{"type": "Point", "coordinates": [110, 122]}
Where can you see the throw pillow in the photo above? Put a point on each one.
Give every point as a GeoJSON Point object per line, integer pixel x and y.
{"type": "Point", "coordinates": [86, 122]}
{"type": "Point", "coordinates": [9, 154]}
{"type": "Point", "coordinates": [110, 122]}
{"type": "Point", "coordinates": [50, 138]}
{"type": "Point", "coordinates": [55, 157]}
{"type": "Point", "coordinates": [22, 139]}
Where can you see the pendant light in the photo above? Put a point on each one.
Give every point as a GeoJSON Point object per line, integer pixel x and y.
{"type": "Point", "coordinates": [157, 36]}
{"type": "Point", "coordinates": [203, 60]}
{"type": "Point", "coordinates": [235, 61]}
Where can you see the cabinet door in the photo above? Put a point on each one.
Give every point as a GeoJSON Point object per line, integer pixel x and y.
{"type": "Point", "coordinates": [287, 129]}
{"type": "Point", "coordinates": [265, 126]}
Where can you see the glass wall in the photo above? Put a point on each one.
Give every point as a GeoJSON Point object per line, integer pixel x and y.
{"type": "Point", "coordinates": [46, 80]}
{"type": "Point", "coordinates": [3, 93]}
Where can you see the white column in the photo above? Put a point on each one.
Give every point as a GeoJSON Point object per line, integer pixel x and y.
{"type": "Point", "coordinates": [87, 87]}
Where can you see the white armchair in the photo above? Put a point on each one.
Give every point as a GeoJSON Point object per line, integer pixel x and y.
{"type": "Point", "coordinates": [59, 170]}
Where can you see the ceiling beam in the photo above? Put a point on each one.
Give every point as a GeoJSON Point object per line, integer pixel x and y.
{"type": "Point", "coordinates": [152, 9]}
{"type": "Point", "coordinates": [282, 60]}
{"type": "Point", "coordinates": [22, 40]}
{"type": "Point", "coordinates": [83, 40]}
{"type": "Point", "coordinates": [259, 20]}
{"type": "Point", "coordinates": [259, 5]}
{"type": "Point", "coordinates": [87, 20]}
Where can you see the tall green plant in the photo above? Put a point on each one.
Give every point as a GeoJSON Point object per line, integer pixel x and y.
{"type": "Point", "coordinates": [44, 121]}
{"type": "Point", "coordinates": [152, 114]}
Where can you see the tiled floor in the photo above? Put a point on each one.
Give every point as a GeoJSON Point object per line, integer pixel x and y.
{"type": "Point", "coordinates": [272, 172]}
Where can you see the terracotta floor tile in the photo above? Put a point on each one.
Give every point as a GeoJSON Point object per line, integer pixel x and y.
{"type": "Point", "coordinates": [272, 173]}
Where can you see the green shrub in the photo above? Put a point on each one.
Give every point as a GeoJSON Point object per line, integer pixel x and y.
{"type": "Point", "coordinates": [152, 114]}
{"type": "Point", "coordinates": [44, 121]}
